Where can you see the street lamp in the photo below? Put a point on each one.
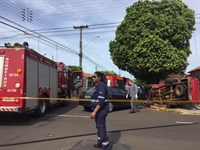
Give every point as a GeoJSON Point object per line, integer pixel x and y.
{"type": "Point", "coordinates": [81, 53]}
{"type": "Point", "coordinates": [91, 41]}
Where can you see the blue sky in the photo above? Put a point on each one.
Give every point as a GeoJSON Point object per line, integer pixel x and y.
{"type": "Point", "coordinates": [102, 16]}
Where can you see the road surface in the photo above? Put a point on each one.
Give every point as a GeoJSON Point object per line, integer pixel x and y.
{"type": "Point", "coordinates": [70, 128]}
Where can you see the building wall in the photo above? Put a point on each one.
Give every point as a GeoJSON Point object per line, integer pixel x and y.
{"type": "Point", "coordinates": [195, 73]}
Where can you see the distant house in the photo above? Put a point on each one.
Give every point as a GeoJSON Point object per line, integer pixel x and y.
{"type": "Point", "coordinates": [176, 76]}
{"type": "Point", "coordinates": [88, 83]}
{"type": "Point", "coordinates": [87, 75]}
{"type": "Point", "coordinates": [195, 72]}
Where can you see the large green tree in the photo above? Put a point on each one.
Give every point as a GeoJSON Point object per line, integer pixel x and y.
{"type": "Point", "coordinates": [153, 39]}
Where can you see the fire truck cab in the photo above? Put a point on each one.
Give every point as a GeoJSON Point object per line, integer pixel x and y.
{"type": "Point", "coordinates": [116, 81]}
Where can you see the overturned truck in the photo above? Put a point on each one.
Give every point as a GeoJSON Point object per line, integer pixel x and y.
{"type": "Point", "coordinates": [175, 91]}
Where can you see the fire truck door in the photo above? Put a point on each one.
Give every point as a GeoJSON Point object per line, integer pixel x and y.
{"type": "Point", "coordinates": [77, 80]}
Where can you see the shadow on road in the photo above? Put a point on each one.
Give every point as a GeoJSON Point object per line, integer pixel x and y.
{"type": "Point", "coordinates": [118, 133]}
{"type": "Point", "coordinates": [114, 138]}
{"type": "Point", "coordinates": [14, 119]}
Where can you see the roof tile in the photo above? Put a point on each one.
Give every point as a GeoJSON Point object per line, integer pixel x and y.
{"type": "Point", "coordinates": [195, 69]}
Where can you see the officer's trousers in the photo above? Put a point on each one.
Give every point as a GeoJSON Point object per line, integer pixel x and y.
{"type": "Point", "coordinates": [100, 120]}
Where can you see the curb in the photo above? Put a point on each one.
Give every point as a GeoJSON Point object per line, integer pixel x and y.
{"type": "Point", "coordinates": [177, 111]}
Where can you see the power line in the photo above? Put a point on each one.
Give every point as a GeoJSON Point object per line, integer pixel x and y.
{"type": "Point", "coordinates": [64, 30]}
{"type": "Point", "coordinates": [93, 7]}
{"type": "Point", "coordinates": [73, 14]}
{"type": "Point", "coordinates": [41, 21]}
{"type": "Point", "coordinates": [37, 35]}
{"type": "Point", "coordinates": [102, 24]}
{"type": "Point", "coordinates": [20, 7]}
{"type": "Point", "coordinates": [51, 41]}
{"type": "Point", "coordinates": [65, 34]}
{"type": "Point", "coordinates": [196, 48]}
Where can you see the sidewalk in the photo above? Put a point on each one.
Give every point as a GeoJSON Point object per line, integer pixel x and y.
{"type": "Point", "coordinates": [179, 110]}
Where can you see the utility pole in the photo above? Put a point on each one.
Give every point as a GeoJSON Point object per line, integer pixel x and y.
{"type": "Point", "coordinates": [95, 68]}
{"type": "Point", "coordinates": [81, 53]}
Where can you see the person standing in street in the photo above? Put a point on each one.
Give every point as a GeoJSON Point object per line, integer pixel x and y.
{"type": "Point", "coordinates": [133, 93]}
{"type": "Point", "coordinates": [100, 108]}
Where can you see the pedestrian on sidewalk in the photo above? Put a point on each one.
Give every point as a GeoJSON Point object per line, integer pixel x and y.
{"type": "Point", "coordinates": [133, 93]}
{"type": "Point", "coordinates": [100, 108]}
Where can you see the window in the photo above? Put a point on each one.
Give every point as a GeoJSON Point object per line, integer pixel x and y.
{"type": "Point", "coordinates": [114, 90]}
{"type": "Point", "coordinates": [120, 83]}
{"type": "Point", "coordinates": [122, 91]}
{"type": "Point", "coordinates": [77, 75]}
{"type": "Point", "coordinates": [90, 83]}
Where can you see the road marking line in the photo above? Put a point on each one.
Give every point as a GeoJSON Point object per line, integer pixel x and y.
{"type": "Point", "coordinates": [68, 116]}
{"type": "Point", "coordinates": [181, 122]}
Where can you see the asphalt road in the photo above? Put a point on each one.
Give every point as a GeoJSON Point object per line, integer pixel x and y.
{"type": "Point", "coordinates": [70, 128]}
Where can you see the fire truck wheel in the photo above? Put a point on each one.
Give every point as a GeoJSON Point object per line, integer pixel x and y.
{"type": "Point", "coordinates": [111, 107]}
{"type": "Point", "coordinates": [179, 90]}
{"type": "Point", "coordinates": [41, 111]}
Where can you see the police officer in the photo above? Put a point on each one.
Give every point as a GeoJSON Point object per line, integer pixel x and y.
{"type": "Point", "coordinates": [100, 109]}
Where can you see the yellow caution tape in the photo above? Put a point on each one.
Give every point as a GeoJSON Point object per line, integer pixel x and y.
{"type": "Point", "coordinates": [113, 100]}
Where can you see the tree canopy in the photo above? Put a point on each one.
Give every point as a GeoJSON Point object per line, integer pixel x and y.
{"type": "Point", "coordinates": [153, 39]}
{"type": "Point", "coordinates": [74, 68]}
{"type": "Point", "coordinates": [106, 72]}
{"type": "Point", "coordinates": [109, 72]}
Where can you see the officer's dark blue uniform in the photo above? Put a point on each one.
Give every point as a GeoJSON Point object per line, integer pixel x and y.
{"type": "Point", "coordinates": [100, 98]}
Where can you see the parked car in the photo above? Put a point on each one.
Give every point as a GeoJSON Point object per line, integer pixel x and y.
{"type": "Point", "coordinates": [115, 93]}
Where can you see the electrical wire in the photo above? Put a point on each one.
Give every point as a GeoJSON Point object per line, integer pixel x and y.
{"type": "Point", "coordinates": [195, 44]}
{"type": "Point", "coordinates": [51, 42]}
{"type": "Point", "coordinates": [75, 43]}
{"type": "Point", "coordinates": [74, 9]}
{"type": "Point", "coordinates": [102, 24]}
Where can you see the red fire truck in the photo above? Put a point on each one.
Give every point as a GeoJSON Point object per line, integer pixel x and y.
{"type": "Point", "coordinates": [26, 73]}
{"type": "Point", "coordinates": [116, 81]}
